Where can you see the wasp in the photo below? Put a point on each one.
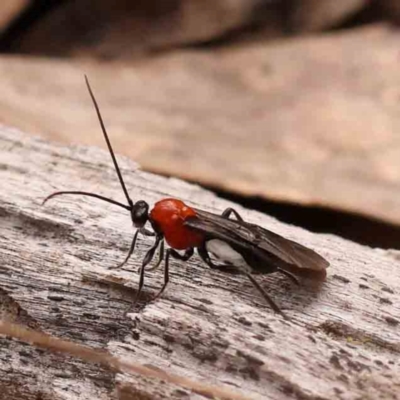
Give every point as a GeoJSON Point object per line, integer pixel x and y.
{"type": "Point", "coordinates": [236, 245]}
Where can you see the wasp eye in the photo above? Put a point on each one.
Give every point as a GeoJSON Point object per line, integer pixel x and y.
{"type": "Point", "coordinates": [140, 213]}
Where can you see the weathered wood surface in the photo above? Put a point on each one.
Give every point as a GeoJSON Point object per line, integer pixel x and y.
{"type": "Point", "coordinates": [342, 340]}
{"type": "Point", "coordinates": [114, 363]}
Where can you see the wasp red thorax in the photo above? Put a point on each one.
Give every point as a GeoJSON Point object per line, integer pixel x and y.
{"type": "Point", "coordinates": [168, 217]}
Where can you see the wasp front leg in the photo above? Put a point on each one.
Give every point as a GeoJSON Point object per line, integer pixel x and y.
{"type": "Point", "coordinates": [144, 232]}
{"type": "Point", "coordinates": [146, 261]}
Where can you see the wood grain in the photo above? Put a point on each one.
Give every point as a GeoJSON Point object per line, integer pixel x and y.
{"type": "Point", "coordinates": [342, 340]}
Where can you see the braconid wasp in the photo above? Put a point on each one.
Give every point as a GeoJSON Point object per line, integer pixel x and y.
{"type": "Point", "coordinates": [238, 246]}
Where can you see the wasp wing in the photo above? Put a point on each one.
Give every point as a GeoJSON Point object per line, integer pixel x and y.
{"type": "Point", "coordinates": [250, 236]}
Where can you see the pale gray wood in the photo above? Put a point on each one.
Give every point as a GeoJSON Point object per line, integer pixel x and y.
{"type": "Point", "coordinates": [342, 340]}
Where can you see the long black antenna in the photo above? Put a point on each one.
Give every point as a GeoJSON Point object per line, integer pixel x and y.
{"type": "Point", "coordinates": [97, 196]}
{"type": "Point", "coordinates": [103, 128]}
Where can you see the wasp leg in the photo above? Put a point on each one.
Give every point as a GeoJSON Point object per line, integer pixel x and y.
{"type": "Point", "coordinates": [290, 276]}
{"type": "Point", "coordinates": [143, 231]}
{"type": "Point", "coordinates": [227, 213]}
{"type": "Point", "coordinates": [206, 258]}
{"type": "Point", "coordinates": [264, 294]}
{"type": "Point", "coordinates": [160, 258]}
{"type": "Point", "coordinates": [131, 249]}
{"type": "Point", "coordinates": [172, 253]}
{"type": "Point", "coordinates": [147, 260]}
{"type": "Point", "coordinates": [146, 232]}
{"type": "Point", "coordinates": [183, 257]}
{"type": "Point", "coordinates": [204, 255]}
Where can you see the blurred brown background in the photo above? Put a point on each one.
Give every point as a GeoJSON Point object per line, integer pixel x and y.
{"type": "Point", "coordinates": [291, 107]}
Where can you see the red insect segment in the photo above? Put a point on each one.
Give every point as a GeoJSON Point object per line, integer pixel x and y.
{"type": "Point", "coordinates": [235, 243]}
{"type": "Point", "coordinates": [169, 216]}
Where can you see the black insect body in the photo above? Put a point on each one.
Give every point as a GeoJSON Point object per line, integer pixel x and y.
{"type": "Point", "coordinates": [239, 245]}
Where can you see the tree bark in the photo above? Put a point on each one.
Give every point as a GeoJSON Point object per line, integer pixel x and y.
{"type": "Point", "coordinates": [341, 341]}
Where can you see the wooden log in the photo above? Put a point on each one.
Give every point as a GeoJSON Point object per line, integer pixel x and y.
{"type": "Point", "coordinates": [342, 339]}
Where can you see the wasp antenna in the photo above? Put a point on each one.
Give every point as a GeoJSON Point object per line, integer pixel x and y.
{"type": "Point", "coordinates": [103, 128]}
{"type": "Point", "coordinates": [97, 196]}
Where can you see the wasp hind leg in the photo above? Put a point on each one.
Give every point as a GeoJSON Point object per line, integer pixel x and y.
{"type": "Point", "coordinates": [227, 213]}
{"type": "Point", "coordinates": [206, 258]}
{"type": "Point", "coordinates": [292, 277]}
{"type": "Point", "coordinates": [266, 297]}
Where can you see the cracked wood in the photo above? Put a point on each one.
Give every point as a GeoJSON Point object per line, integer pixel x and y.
{"type": "Point", "coordinates": [342, 340]}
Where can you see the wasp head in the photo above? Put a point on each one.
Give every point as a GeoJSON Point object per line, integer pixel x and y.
{"type": "Point", "coordinates": [140, 213]}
